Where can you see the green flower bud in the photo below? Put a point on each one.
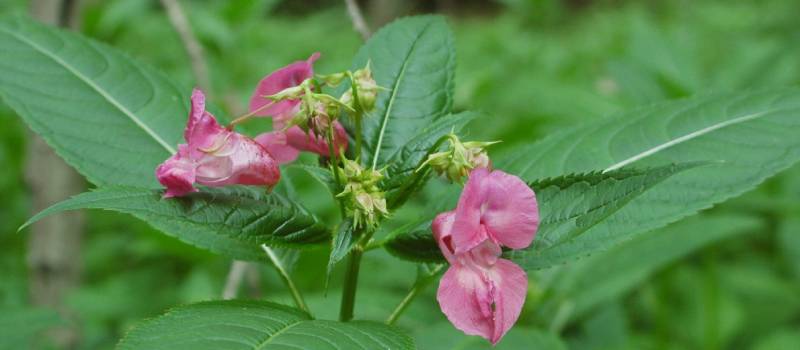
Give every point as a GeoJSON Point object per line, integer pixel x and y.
{"type": "Point", "coordinates": [366, 89]}
{"type": "Point", "coordinates": [363, 198]}
{"type": "Point", "coordinates": [459, 159]}
{"type": "Point", "coordinates": [332, 79]}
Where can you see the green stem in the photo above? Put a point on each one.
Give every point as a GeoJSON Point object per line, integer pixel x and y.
{"type": "Point", "coordinates": [359, 114]}
{"type": "Point", "coordinates": [350, 284]}
{"type": "Point", "coordinates": [334, 165]}
{"type": "Point", "coordinates": [418, 287]}
{"type": "Point", "coordinates": [298, 298]}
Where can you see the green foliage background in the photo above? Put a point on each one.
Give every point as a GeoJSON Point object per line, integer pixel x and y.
{"type": "Point", "coordinates": [728, 279]}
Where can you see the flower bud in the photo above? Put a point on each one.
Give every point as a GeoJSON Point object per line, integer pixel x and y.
{"type": "Point", "coordinates": [332, 79]}
{"type": "Point", "coordinates": [362, 196]}
{"type": "Point", "coordinates": [460, 158]}
{"type": "Point", "coordinates": [366, 88]}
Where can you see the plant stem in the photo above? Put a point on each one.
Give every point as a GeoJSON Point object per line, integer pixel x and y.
{"type": "Point", "coordinates": [298, 298]}
{"type": "Point", "coordinates": [418, 287]}
{"type": "Point", "coordinates": [350, 284]}
{"type": "Point", "coordinates": [359, 114]}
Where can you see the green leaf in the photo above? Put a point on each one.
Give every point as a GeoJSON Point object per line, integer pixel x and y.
{"type": "Point", "coordinates": [233, 221]}
{"type": "Point", "coordinates": [402, 178]}
{"type": "Point", "coordinates": [257, 325]}
{"type": "Point", "coordinates": [414, 59]}
{"type": "Point", "coordinates": [110, 118]}
{"type": "Point", "coordinates": [572, 204]}
{"type": "Point", "coordinates": [343, 241]}
{"type": "Point", "coordinates": [319, 174]}
{"type": "Point", "coordinates": [415, 245]}
{"type": "Point", "coordinates": [608, 275]}
{"type": "Point", "coordinates": [568, 206]}
{"type": "Point", "coordinates": [750, 135]}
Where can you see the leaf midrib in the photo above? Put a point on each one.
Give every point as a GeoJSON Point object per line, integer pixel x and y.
{"type": "Point", "coordinates": [94, 86]}
{"type": "Point", "coordinates": [279, 332]}
{"type": "Point", "coordinates": [401, 74]}
{"type": "Point", "coordinates": [684, 138]}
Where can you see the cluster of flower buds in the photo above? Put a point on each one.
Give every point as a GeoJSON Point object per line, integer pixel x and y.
{"type": "Point", "coordinates": [460, 158]}
{"type": "Point", "coordinates": [362, 196]}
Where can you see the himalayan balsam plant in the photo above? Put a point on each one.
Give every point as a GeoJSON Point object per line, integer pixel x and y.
{"type": "Point", "coordinates": [383, 133]}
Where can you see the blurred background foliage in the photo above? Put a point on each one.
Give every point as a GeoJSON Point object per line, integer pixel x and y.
{"type": "Point", "coordinates": [728, 279]}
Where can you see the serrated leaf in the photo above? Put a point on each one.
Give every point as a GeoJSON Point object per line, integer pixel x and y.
{"type": "Point", "coordinates": [402, 167]}
{"type": "Point", "coordinates": [343, 241]}
{"type": "Point", "coordinates": [568, 206]}
{"type": "Point", "coordinates": [233, 221]}
{"type": "Point", "coordinates": [414, 59]}
{"type": "Point", "coordinates": [110, 118]}
{"type": "Point", "coordinates": [750, 135]}
{"type": "Point", "coordinates": [252, 325]}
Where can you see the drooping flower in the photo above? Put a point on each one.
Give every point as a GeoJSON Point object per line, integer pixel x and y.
{"type": "Point", "coordinates": [214, 156]}
{"type": "Point", "coordinates": [481, 293]}
{"type": "Point", "coordinates": [287, 140]}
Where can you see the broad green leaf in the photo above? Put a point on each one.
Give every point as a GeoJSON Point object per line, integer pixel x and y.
{"type": "Point", "coordinates": [233, 221]}
{"type": "Point", "coordinates": [402, 178]}
{"type": "Point", "coordinates": [256, 325]}
{"type": "Point", "coordinates": [319, 174]}
{"type": "Point", "coordinates": [750, 136]}
{"type": "Point", "coordinates": [572, 204]}
{"type": "Point", "coordinates": [608, 275]}
{"type": "Point", "coordinates": [569, 205]}
{"type": "Point", "coordinates": [414, 59]}
{"type": "Point", "coordinates": [110, 118]}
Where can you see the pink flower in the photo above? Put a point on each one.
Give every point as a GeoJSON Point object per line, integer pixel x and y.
{"type": "Point", "coordinates": [481, 293]}
{"type": "Point", "coordinates": [285, 145]}
{"type": "Point", "coordinates": [277, 81]}
{"type": "Point", "coordinates": [214, 156]}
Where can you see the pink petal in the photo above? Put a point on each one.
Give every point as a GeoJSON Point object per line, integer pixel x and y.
{"type": "Point", "coordinates": [283, 78]}
{"type": "Point", "coordinates": [466, 228]}
{"type": "Point", "coordinates": [311, 142]}
{"type": "Point", "coordinates": [442, 226]}
{"type": "Point", "coordinates": [511, 214]}
{"type": "Point", "coordinates": [509, 296]}
{"type": "Point", "coordinates": [202, 129]}
{"type": "Point", "coordinates": [177, 174]}
{"type": "Point", "coordinates": [276, 145]}
{"type": "Point", "coordinates": [240, 161]}
{"type": "Point", "coordinates": [503, 204]}
{"type": "Point", "coordinates": [196, 112]}
{"type": "Point", "coordinates": [463, 295]}
{"type": "Point", "coordinates": [483, 302]}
